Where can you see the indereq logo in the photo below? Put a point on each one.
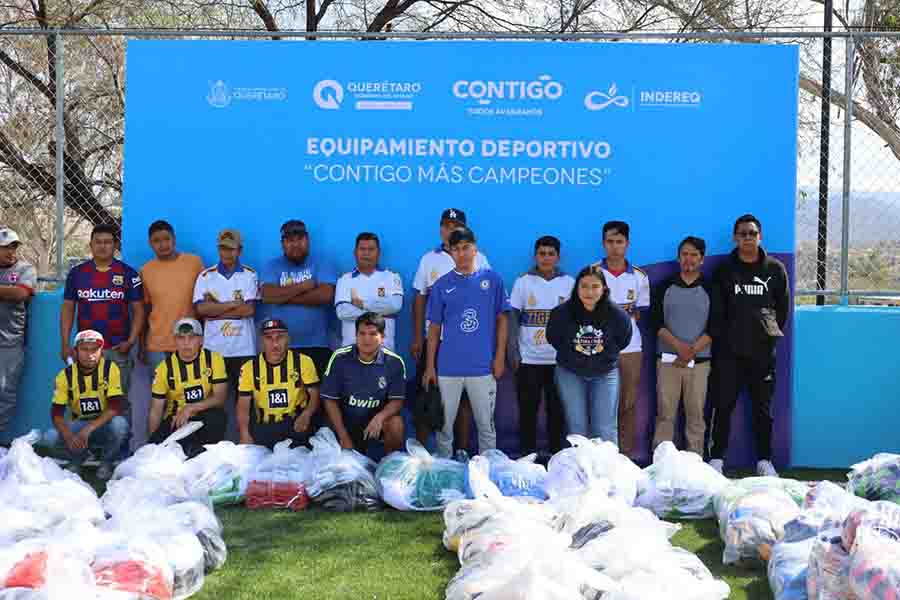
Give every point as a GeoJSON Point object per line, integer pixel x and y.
{"type": "Point", "coordinates": [105, 295]}
{"type": "Point", "coordinates": [543, 88]}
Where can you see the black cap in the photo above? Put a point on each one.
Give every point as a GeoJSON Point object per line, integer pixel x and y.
{"type": "Point", "coordinates": [272, 325]}
{"type": "Point", "coordinates": [453, 214]}
{"type": "Point", "coordinates": [463, 234]}
{"type": "Point", "coordinates": [293, 227]}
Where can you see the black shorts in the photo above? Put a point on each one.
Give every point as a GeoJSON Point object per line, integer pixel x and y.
{"type": "Point", "coordinates": [212, 432]}
{"type": "Point", "coordinates": [425, 405]}
{"type": "Point", "coordinates": [356, 429]}
{"type": "Point", "coordinates": [269, 434]}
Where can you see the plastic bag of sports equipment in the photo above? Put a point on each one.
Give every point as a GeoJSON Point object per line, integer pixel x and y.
{"type": "Point", "coordinates": [340, 480]}
{"type": "Point", "coordinates": [739, 488]}
{"type": "Point", "coordinates": [828, 577]}
{"type": "Point", "coordinates": [881, 515]}
{"type": "Point", "coordinates": [22, 465]}
{"type": "Point", "coordinates": [787, 569]}
{"type": "Point", "coordinates": [875, 565]}
{"type": "Point", "coordinates": [572, 469]}
{"type": "Point", "coordinates": [679, 485]}
{"type": "Point", "coordinates": [54, 500]}
{"type": "Point", "coordinates": [877, 478]}
{"type": "Point", "coordinates": [754, 523]}
{"type": "Point", "coordinates": [123, 495]}
{"type": "Point", "coordinates": [135, 564]}
{"type": "Point", "coordinates": [278, 481]}
{"type": "Point", "coordinates": [677, 584]}
{"type": "Point", "coordinates": [200, 519]}
{"type": "Point", "coordinates": [223, 471]}
{"type": "Point", "coordinates": [522, 477]}
{"type": "Point", "coordinates": [416, 480]}
{"type": "Point", "coordinates": [158, 461]}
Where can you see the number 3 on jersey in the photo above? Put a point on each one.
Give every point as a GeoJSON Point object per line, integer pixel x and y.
{"type": "Point", "coordinates": [278, 399]}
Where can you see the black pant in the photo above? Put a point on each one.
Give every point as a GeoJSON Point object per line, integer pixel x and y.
{"type": "Point", "coordinates": [531, 380]}
{"type": "Point", "coordinates": [233, 366]}
{"type": "Point", "coordinates": [212, 432]}
{"type": "Point", "coordinates": [731, 375]}
{"type": "Point", "coordinates": [269, 434]}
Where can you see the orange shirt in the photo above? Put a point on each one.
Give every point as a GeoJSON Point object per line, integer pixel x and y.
{"type": "Point", "coordinates": [169, 289]}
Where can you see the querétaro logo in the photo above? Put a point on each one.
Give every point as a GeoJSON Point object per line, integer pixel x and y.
{"type": "Point", "coordinates": [512, 98]}
{"type": "Point", "coordinates": [328, 94]}
{"type": "Point", "coordinates": [105, 295]}
{"type": "Point", "coordinates": [221, 95]}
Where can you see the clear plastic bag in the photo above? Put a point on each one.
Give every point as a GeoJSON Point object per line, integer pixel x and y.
{"type": "Point", "coordinates": [340, 480]}
{"type": "Point", "coordinates": [122, 496]}
{"type": "Point", "coordinates": [223, 471]}
{"type": "Point", "coordinates": [875, 565]}
{"type": "Point", "coordinates": [522, 477]}
{"type": "Point", "coordinates": [54, 500]}
{"type": "Point", "coordinates": [279, 480]}
{"type": "Point", "coordinates": [877, 478]}
{"type": "Point", "coordinates": [828, 577]}
{"type": "Point", "coordinates": [200, 519]}
{"type": "Point", "coordinates": [754, 523]}
{"type": "Point", "coordinates": [787, 569]}
{"type": "Point", "coordinates": [158, 461]}
{"type": "Point", "coordinates": [416, 480]}
{"type": "Point", "coordinates": [663, 586]}
{"type": "Point", "coordinates": [679, 485]}
{"type": "Point", "coordinates": [571, 470]}
{"type": "Point", "coordinates": [881, 515]}
{"type": "Point", "coordinates": [22, 465]}
{"type": "Point", "coordinates": [134, 563]}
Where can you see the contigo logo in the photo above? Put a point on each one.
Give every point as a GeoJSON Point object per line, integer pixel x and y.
{"type": "Point", "coordinates": [485, 92]}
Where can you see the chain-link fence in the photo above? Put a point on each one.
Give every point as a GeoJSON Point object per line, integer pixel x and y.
{"type": "Point", "coordinates": [61, 154]}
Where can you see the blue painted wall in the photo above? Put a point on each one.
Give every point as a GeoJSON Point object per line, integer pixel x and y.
{"type": "Point", "coordinates": [846, 381]}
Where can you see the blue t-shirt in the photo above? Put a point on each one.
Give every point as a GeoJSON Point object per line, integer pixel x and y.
{"type": "Point", "coordinates": [467, 307]}
{"type": "Point", "coordinates": [308, 325]}
{"type": "Point", "coordinates": [363, 389]}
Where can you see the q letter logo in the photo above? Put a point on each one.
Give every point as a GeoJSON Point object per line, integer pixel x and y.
{"type": "Point", "coordinates": [328, 94]}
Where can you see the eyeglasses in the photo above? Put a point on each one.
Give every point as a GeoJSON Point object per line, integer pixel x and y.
{"type": "Point", "coordinates": [746, 233]}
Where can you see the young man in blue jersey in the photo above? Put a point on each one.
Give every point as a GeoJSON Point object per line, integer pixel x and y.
{"type": "Point", "coordinates": [466, 320]}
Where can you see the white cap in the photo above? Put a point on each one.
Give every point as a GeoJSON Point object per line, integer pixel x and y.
{"type": "Point", "coordinates": [8, 237]}
{"type": "Point", "coordinates": [88, 335]}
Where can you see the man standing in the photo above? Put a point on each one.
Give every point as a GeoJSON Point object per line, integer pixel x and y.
{"type": "Point", "coordinates": [189, 385]}
{"type": "Point", "coordinates": [629, 287]}
{"type": "Point", "coordinates": [225, 296]}
{"type": "Point", "coordinates": [298, 289]}
{"type": "Point", "coordinates": [168, 282]}
{"type": "Point", "coordinates": [92, 390]}
{"type": "Point", "coordinates": [686, 312]}
{"type": "Point", "coordinates": [755, 302]}
{"type": "Point", "coordinates": [466, 320]}
{"type": "Point", "coordinates": [432, 266]}
{"type": "Point", "coordinates": [364, 389]}
{"type": "Point", "coordinates": [281, 386]}
{"type": "Point", "coordinates": [534, 295]}
{"type": "Point", "coordinates": [18, 279]}
{"type": "Point", "coordinates": [104, 290]}
{"type": "Point", "coordinates": [368, 289]}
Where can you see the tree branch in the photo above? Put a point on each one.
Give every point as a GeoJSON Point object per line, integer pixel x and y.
{"type": "Point", "coordinates": [262, 11]}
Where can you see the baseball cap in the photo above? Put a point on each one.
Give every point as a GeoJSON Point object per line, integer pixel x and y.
{"type": "Point", "coordinates": [229, 238]}
{"type": "Point", "coordinates": [293, 227]}
{"type": "Point", "coordinates": [461, 235]}
{"type": "Point", "coordinates": [188, 326]}
{"type": "Point", "coordinates": [453, 214]}
{"type": "Point", "coordinates": [89, 336]}
{"type": "Point", "coordinates": [8, 237]}
{"type": "Point", "coordinates": [272, 325]}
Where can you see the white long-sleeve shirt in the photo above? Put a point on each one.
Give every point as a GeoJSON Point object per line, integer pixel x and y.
{"type": "Point", "coordinates": [381, 292]}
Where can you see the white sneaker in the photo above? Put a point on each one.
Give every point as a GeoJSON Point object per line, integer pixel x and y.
{"type": "Point", "coordinates": [718, 464]}
{"type": "Point", "coordinates": [765, 468]}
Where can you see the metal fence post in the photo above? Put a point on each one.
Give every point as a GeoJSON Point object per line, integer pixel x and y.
{"type": "Point", "coordinates": [60, 157]}
{"type": "Point", "coordinates": [845, 194]}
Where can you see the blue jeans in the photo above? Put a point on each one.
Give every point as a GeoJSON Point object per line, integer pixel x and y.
{"type": "Point", "coordinates": [591, 404]}
{"type": "Point", "coordinates": [153, 360]}
{"type": "Point", "coordinates": [109, 438]}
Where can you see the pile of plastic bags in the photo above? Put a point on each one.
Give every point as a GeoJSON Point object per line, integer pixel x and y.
{"type": "Point", "coordinates": [586, 542]}
{"type": "Point", "coordinates": [146, 538]}
{"type": "Point", "coordinates": [278, 481]}
{"type": "Point", "coordinates": [572, 470]}
{"type": "Point", "coordinates": [522, 477]}
{"type": "Point", "coordinates": [416, 480]}
{"type": "Point", "coordinates": [340, 480]}
{"type": "Point", "coordinates": [877, 478]}
{"type": "Point", "coordinates": [679, 485]}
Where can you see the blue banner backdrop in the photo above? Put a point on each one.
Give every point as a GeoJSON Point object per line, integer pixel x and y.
{"type": "Point", "coordinates": [529, 138]}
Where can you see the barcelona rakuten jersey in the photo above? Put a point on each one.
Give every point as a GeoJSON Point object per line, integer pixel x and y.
{"type": "Point", "coordinates": [102, 298]}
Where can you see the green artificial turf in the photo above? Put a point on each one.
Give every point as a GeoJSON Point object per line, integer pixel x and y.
{"type": "Point", "coordinates": [316, 555]}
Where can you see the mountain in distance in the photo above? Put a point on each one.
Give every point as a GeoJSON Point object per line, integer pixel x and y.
{"type": "Point", "coordinates": [874, 217]}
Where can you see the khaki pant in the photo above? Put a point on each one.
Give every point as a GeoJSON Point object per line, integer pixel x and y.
{"type": "Point", "coordinates": [672, 383]}
{"type": "Point", "coordinates": [629, 381]}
